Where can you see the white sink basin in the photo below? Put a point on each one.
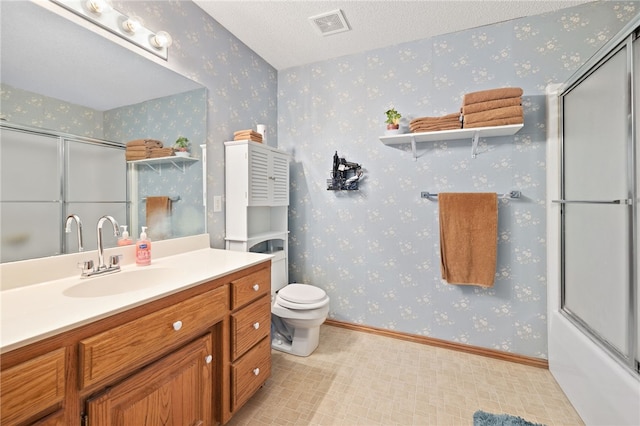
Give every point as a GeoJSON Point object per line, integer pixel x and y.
{"type": "Point", "coordinates": [120, 282]}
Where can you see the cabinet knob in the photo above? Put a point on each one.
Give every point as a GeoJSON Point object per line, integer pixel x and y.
{"type": "Point", "coordinates": [256, 325]}
{"type": "Point", "coordinates": [177, 325]}
{"type": "Point", "coordinates": [256, 371]}
{"type": "Point", "coordinates": [256, 287]}
{"type": "Point", "coordinates": [208, 359]}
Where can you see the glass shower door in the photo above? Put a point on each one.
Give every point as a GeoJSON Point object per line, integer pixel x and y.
{"type": "Point", "coordinates": [596, 213]}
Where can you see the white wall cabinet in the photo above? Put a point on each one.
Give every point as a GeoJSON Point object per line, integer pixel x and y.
{"type": "Point", "coordinates": [257, 200]}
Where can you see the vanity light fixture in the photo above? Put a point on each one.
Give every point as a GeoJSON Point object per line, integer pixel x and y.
{"type": "Point", "coordinates": [130, 28]}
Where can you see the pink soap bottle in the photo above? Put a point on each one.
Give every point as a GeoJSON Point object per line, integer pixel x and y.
{"type": "Point", "coordinates": [143, 249]}
{"type": "Point", "coordinates": [124, 240]}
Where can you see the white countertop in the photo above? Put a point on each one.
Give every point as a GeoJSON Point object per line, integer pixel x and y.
{"type": "Point", "coordinates": [32, 312]}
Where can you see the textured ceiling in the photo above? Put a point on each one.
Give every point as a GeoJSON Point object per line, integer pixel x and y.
{"type": "Point", "coordinates": [281, 33]}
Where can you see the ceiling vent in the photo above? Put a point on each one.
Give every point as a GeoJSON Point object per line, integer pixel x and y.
{"type": "Point", "coordinates": [330, 23]}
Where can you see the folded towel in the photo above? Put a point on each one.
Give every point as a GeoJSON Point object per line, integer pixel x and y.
{"type": "Point", "coordinates": [484, 106]}
{"type": "Point", "coordinates": [158, 217]}
{"type": "Point", "coordinates": [149, 143]}
{"type": "Point", "coordinates": [496, 122]}
{"type": "Point", "coordinates": [246, 132]}
{"type": "Point", "coordinates": [135, 157]}
{"type": "Point", "coordinates": [436, 127]}
{"type": "Point", "coordinates": [161, 152]}
{"type": "Point", "coordinates": [468, 237]}
{"type": "Point", "coordinates": [493, 114]}
{"type": "Point", "coordinates": [250, 135]}
{"type": "Point", "coordinates": [138, 149]}
{"type": "Point", "coordinates": [491, 95]}
{"type": "Point", "coordinates": [449, 117]}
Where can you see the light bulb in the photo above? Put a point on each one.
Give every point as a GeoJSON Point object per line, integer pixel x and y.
{"type": "Point", "coordinates": [161, 39]}
{"type": "Point", "coordinates": [132, 24]}
{"type": "Point", "coordinates": [98, 6]}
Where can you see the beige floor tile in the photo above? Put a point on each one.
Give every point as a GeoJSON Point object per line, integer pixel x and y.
{"type": "Point", "coordinates": [356, 378]}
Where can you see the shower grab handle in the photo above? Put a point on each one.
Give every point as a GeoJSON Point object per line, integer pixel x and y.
{"type": "Point", "coordinates": [627, 201]}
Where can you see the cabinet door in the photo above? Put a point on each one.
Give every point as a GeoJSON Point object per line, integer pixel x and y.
{"type": "Point", "coordinates": [177, 390]}
{"type": "Point", "coordinates": [259, 176]}
{"type": "Point", "coordinates": [280, 179]}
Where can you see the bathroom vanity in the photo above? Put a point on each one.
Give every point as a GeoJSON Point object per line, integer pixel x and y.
{"type": "Point", "coordinates": [184, 341]}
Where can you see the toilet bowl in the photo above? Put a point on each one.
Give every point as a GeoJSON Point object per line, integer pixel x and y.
{"type": "Point", "coordinates": [297, 311]}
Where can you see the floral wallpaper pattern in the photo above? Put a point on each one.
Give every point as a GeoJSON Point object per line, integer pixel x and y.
{"type": "Point", "coordinates": [376, 251]}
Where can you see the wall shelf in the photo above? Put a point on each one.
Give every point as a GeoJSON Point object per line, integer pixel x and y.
{"type": "Point", "coordinates": [444, 135]}
{"type": "Point", "coordinates": [179, 163]}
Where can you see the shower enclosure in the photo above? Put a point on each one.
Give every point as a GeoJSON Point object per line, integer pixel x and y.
{"type": "Point", "coordinates": [594, 327]}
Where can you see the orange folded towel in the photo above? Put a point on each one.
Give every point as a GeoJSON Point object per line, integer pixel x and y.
{"type": "Point", "coordinates": [468, 237]}
{"type": "Point", "coordinates": [436, 127]}
{"type": "Point", "coordinates": [496, 122]}
{"type": "Point", "coordinates": [484, 106]}
{"type": "Point", "coordinates": [161, 152]}
{"type": "Point", "coordinates": [148, 143]}
{"type": "Point", "coordinates": [134, 157]}
{"type": "Point", "coordinates": [493, 114]}
{"type": "Point", "coordinates": [449, 117]}
{"type": "Point", "coordinates": [491, 95]}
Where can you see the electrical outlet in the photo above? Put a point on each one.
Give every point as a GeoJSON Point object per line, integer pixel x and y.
{"type": "Point", "coordinates": [217, 203]}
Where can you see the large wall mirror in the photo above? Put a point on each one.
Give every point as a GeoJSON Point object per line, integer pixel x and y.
{"type": "Point", "coordinates": [71, 99]}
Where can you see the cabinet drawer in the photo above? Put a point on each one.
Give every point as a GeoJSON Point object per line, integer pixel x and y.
{"type": "Point", "coordinates": [250, 372]}
{"type": "Point", "coordinates": [250, 325]}
{"type": "Point", "coordinates": [249, 288]}
{"type": "Point", "coordinates": [131, 345]}
{"type": "Point", "coordinates": [32, 387]}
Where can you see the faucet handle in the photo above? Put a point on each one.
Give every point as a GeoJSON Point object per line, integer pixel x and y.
{"type": "Point", "coordinates": [114, 261]}
{"type": "Point", "coordinates": [86, 266]}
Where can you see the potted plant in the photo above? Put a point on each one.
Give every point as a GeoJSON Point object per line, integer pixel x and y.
{"type": "Point", "coordinates": [393, 121]}
{"type": "Point", "coordinates": [181, 147]}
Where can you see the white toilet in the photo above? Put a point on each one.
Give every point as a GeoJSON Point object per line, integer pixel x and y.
{"type": "Point", "coordinates": [297, 311]}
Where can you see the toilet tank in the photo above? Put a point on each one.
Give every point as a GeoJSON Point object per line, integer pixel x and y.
{"type": "Point", "coordinates": [279, 273]}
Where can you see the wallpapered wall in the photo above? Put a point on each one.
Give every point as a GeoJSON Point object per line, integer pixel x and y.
{"type": "Point", "coordinates": [376, 251]}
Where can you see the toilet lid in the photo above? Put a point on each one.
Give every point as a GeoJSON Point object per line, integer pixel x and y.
{"type": "Point", "coordinates": [302, 293]}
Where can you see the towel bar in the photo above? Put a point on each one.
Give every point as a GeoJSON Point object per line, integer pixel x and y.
{"type": "Point", "coordinates": [509, 195]}
{"type": "Point", "coordinates": [173, 199]}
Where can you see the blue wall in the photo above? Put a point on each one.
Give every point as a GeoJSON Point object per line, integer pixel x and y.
{"type": "Point", "coordinates": [376, 250]}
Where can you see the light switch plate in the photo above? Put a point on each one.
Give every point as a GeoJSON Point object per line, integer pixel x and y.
{"type": "Point", "coordinates": [217, 203]}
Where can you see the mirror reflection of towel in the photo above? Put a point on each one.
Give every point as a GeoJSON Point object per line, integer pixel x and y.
{"type": "Point", "coordinates": [468, 237]}
{"type": "Point", "coordinates": [158, 218]}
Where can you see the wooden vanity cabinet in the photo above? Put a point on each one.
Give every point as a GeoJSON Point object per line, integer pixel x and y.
{"type": "Point", "coordinates": [176, 360]}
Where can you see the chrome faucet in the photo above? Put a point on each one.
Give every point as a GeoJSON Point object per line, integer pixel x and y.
{"type": "Point", "coordinates": [67, 228]}
{"type": "Point", "coordinates": [114, 261]}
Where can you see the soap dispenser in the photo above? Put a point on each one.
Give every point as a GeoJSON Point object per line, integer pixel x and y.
{"type": "Point", "coordinates": [124, 240]}
{"type": "Point", "coordinates": [143, 249]}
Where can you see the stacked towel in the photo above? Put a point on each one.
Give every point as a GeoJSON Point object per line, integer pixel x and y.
{"type": "Point", "coordinates": [247, 135]}
{"type": "Point", "coordinates": [494, 107]}
{"type": "Point", "coordinates": [140, 149]}
{"type": "Point", "coordinates": [432, 124]}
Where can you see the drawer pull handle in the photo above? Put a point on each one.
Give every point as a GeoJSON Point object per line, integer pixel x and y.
{"type": "Point", "coordinates": [177, 325]}
{"type": "Point", "coordinates": [256, 287]}
{"type": "Point", "coordinates": [208, 359]}
{"type": "Point", "coordinates": [256, 325]}
{"type": "Point", "coordinates": [256, 371]}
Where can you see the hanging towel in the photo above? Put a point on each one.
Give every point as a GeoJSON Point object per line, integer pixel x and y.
{"type": "Point", "coordinates": [159, 217]}
{"type": "Point", "coordinates": [468, 237]}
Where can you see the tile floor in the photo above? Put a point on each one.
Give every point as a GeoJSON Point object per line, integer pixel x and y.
{"type": "Point", "coordinates": [357, 378]}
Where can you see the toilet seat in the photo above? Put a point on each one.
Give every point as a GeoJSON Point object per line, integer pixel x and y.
{"type": "Point", "coordinates": [301, 296]}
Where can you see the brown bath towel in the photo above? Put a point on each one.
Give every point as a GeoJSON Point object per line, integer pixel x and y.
{"type": "Point", "coordinates": [158, 217]}
{"type": "Point", "coordinates": [148, 143]}
{"type": "Point", "coordinates": [493, 114]}
{"type": "Point", "coordinates": [468, 237]}
{"type": "Point", "coordinates": [491, 95]}
{"type": "Point", "coordinates": [436, 127]}
{"type": "Point", "coordinates": [496, 122]}
{"type": "Point", "coordinates": [484, 106]}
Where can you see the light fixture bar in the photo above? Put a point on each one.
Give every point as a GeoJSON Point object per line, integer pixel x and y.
{"type": "Point", "coordinates": [101, 13]}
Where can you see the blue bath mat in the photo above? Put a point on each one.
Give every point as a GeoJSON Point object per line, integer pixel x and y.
{"type": "Point", "coordinates": [480, 418]}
